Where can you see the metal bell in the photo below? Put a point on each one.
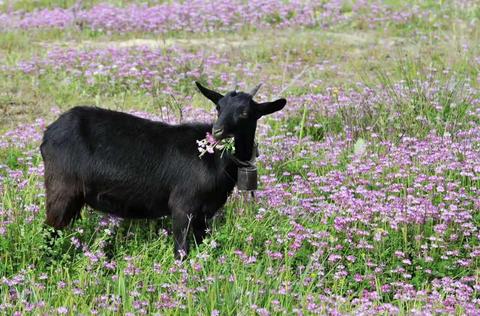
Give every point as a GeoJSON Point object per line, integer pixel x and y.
{"type": "Point", "coordinates": [247, 178]}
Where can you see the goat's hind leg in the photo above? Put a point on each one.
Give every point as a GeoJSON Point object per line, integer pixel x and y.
{"type": "Point", "coordinates": [63, 207]}
{"type": "Point", "coordinates": [64, 202]}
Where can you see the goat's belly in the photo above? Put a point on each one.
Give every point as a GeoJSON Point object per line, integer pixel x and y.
{"type": "Point", "coordinates": [127, 207]}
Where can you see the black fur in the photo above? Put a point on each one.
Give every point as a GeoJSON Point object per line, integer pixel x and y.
{"type": "Point", "coordinates": [136, 168]}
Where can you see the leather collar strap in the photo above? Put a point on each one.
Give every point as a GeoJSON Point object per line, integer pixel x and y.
{"type": "Point", "coordinates": [248, 163]}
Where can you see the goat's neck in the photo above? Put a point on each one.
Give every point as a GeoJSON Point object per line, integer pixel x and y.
{"type": "Point", "coordinates": [244, 146]}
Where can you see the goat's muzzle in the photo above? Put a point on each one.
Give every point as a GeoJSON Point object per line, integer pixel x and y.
{"type": "Point", "coordinates": [217, 132]}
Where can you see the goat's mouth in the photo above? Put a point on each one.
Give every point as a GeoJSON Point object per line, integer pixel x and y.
{"type": "Point", "coordinates": [219, 134]}
{"type": "Point", "coordinates": [222, 137]}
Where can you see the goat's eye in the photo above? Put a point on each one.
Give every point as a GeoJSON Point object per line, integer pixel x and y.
{"type": "Point", "coordinates": [244, 114]}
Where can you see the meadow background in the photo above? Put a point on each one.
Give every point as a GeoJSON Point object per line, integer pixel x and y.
{"type": "Point", "coordinates": [369, 191]}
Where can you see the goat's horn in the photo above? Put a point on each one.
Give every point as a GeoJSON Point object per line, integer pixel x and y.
{"type": "Point", "coordinates": [255, 90]}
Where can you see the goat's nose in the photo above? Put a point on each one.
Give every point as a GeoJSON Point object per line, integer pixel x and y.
{"type": "Point", "coordinates": [217, 132]}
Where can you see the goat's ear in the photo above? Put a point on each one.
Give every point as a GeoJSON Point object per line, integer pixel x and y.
{"type": "Point", "coordinates": [270, 107]}
{"type": "Point", "coordinates": [210, 94]}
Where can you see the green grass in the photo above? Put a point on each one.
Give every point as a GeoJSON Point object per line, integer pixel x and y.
{"type": "Point", "coordinates": [215, 277]}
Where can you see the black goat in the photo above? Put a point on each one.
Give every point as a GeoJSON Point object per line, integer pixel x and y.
{"type": "Point", "coordinates": [136, 168]}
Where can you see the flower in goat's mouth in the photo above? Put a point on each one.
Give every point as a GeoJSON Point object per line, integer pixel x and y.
{"type": "Point", "coordinates": [209, 144]}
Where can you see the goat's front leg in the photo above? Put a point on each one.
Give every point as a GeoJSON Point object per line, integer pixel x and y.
{"type": "Point", "coordinates": [181, 225]}
{"type": "Point", "coordinates": [199, 229]}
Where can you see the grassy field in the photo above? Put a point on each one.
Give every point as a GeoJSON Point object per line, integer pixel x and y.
{"type": "Point", "coordinates": [369, 198]}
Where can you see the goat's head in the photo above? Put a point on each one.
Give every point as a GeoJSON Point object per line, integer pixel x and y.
{"type": "Point", "coordinates": [238, 112]}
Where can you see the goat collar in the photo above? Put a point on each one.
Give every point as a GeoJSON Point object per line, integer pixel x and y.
{"type": "Point", "coordinates": [248, 163]}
